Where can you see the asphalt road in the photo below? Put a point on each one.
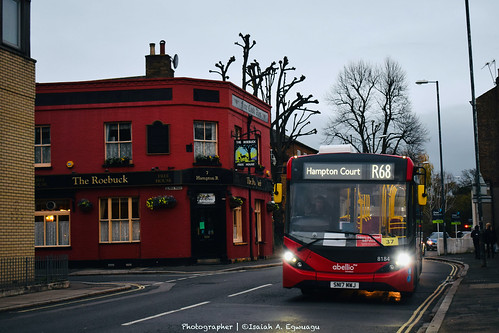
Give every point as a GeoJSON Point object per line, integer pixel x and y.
{"type": "Point", "coordinates": [242, 301]}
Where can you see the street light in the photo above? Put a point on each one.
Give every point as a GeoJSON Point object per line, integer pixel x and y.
{"type": "Point", "coordinates": [442, 208]}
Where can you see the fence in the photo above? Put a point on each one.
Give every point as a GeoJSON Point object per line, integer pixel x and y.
{"type": "Point", "coordinates": [28, 271]}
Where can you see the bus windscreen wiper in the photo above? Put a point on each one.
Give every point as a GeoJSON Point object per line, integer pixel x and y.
{"type": "Point", "coordinates": [306, 246]}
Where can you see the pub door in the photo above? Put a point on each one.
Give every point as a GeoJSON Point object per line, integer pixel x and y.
{"type": "Point", "coordinates": [208, 227]}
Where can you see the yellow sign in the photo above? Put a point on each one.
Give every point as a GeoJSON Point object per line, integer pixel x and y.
{"type": "Point", "coordinates": [390, 241]}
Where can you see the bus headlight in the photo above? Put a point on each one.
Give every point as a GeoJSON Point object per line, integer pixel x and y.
{"type": "Point", "coordinates": [403, 260]}
{"type": "Point", "coordinates": [294, 261]}
{"type": "Point", "coordinates": [290, 257]}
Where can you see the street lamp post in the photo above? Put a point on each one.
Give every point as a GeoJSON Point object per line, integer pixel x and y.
{"type": "Point", "coordinates": [442, 208]}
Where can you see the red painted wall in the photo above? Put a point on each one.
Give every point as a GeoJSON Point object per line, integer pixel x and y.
{"type": "Point", "coordinates": [77, 134]}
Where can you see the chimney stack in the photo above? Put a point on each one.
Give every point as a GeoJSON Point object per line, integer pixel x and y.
{"type": "Point", "coordinates": [158, 65]}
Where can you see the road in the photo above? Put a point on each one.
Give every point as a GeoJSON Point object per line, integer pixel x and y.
{"type": "Point", "coordinates": [240, 301]}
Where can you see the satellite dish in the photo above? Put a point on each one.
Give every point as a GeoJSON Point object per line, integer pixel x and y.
{"type": "Point", "coordinates": [175, 61]}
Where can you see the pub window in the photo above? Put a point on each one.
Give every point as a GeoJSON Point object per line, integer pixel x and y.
{"type": "Point", "coordinates": [158, 138]}
{"type": "Point", "coordinates": [42, 146]}
{"type": "Point", "coordinates": [15, 29]}
{"type": "Point", "coordinates": [52, 223]}
{"type": "Point", "coordinates": [119, 140]}
{"type": "Point", "coordinates": [237, 222]}
{"type": "Point", "coordinates": [119, 220]}
{"type": "Point", "coordinates": [258, 219]}
{"type": "Point", "coordinates": [205, 95]}
{"type": "Point", "coordinates": [205, 138]}
{"type": "Point", "coordinates": [237, 132]}
{"type": "Point", "coordinates": [259, 148]}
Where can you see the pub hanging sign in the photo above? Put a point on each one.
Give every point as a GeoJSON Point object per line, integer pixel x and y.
{"type": "Point", "coordinates": [245, 153]}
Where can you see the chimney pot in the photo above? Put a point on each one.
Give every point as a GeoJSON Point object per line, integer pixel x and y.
{"type": "Point", "coordinates": [162, 47]}
{"type": "Point", "coordinates": [152, 48]}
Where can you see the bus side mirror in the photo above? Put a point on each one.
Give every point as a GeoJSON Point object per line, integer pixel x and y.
{"type": "Point", "coordinates": [422, 196]}
{"type": "Point", "coordinates": [278, 193]}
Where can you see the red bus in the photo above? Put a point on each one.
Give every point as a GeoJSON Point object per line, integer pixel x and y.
{"type": "Point", "coordinates": [351, 222]}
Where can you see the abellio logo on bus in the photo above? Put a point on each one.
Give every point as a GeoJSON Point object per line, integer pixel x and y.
{"type": "Point", "coordinates": [346, 268]}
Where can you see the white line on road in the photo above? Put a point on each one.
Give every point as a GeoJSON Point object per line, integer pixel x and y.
{"type": "Point", "coordinates": [250, 290]}
{"type": "Point", "coordinates": [164, 314]}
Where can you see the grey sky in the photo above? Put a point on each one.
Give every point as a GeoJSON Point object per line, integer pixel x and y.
{"type": "Point", "coordinates": [94, 39]}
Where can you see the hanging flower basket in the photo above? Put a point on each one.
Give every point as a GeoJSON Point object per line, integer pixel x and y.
{"type": "Point", "coordinates": [235, 202]}
{"type": "Point", "coordinates": [272, 207]}
{"type": "Point", "coordinates": [161, 202]}
{"type": "Point", "coordinates": [85, 205]}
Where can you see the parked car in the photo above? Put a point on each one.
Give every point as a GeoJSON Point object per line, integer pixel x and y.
{"type": "Point", "coordinates": [432, 240]}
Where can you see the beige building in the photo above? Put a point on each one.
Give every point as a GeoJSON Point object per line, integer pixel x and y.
{"type": "Point", "coordinates": [17, 105]}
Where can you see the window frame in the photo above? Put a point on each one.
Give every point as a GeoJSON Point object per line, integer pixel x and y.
{"type": "Point", "coordinates": [56, 215]}
{"type": "Point", "coordinates": [118, 142]}
{"type": "Point", "coordinates": [205, 141]}
{"type": "Point", "coordinates": [258, 220]}
{"type": "Point", "coordinates": [43, 145]}
{"type": "Point", "coordinates": [237, 225]}
{"type": "Point", "coordinates": [131, 220]}
{"type": "Point", "coordinates": [22, 45]}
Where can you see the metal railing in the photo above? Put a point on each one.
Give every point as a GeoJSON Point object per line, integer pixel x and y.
{"type": "Point", "coordinates": [28, 271]}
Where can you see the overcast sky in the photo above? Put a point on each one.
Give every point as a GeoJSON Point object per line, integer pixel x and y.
{"type": "Point", "coordinates": [96, 39]}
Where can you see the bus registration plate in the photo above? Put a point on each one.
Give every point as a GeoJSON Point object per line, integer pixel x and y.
{"type": "Point", "coordinates": [344, 285]}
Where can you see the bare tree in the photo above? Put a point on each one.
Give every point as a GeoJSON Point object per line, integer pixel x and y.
{"type": "Point", "coordinates": [224, 68]}
{"type": "Point", "coordinates": [291, 117]}
{"type": "Point", "coordinates": [246, 46]}
{"type": "Point", "coordinates": [261, 81]}
{"type": "Point", "coordinates": [372, 112]}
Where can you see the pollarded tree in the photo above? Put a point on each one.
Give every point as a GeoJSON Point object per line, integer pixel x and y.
{"type": "Point", "coordinates": [372, 112]}
{"type": "Point", "coordinates": [291, 115]}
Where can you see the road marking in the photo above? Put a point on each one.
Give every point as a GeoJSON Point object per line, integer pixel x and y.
{"type": "Point", "coordinates": [85, 299]}
{"type": "Point", "coordinates": [164, 313]}
{"type": "Point", "coordinates": [418, 313]}
{"type": "Point", "coordinates": [249, 290]}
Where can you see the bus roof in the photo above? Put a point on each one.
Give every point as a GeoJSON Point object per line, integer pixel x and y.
{"type": "Point", "coordinates": [329, 149]}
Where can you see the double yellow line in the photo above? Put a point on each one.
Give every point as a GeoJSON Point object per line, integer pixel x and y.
{"type": "Point", "coordinates": [418, 313]}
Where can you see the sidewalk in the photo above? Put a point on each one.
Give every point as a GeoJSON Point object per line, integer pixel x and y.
{"type": "Point", "coordinates": [470, 305]}
{"type": "Point", "coordinates": [474, 305]}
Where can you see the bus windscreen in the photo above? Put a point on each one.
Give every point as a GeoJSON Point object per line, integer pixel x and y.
{"type": "Point", "coordinates": [349, 214]}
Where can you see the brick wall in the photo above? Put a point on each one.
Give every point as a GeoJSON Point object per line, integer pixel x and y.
{"type": "Point", "coordinates": [488, 144]}
{"type": "Point", "coordinates": [17, 97]}
{"type": "Point", "coordinates": [488, 134]}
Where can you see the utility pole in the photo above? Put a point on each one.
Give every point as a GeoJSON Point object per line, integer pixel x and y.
{"type": "Point", "coordinates": [475, 135]}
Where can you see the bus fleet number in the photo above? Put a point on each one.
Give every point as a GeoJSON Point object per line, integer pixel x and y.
{"type": "Point", "coordinates": [381, 171]}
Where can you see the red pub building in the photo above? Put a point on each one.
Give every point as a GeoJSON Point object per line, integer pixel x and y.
{"type": "Point", "coordinates": [151, 169]}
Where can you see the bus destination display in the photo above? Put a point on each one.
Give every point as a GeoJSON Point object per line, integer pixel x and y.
{"type": "Point", "coordinates": [349, 171]}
